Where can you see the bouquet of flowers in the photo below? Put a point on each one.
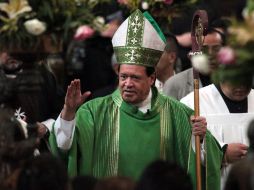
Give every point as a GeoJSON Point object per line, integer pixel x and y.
{"type": "Point", "coordinates": [25, 24]}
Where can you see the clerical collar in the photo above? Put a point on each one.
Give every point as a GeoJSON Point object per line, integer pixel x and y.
{"type": "Point", "coordinates": [205, 80]}
{"type": "Point", "coordinates": [234, 106]}
{"type": "Point", "coordinates": [146, 104]}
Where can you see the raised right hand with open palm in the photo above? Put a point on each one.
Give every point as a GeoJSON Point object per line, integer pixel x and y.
{"type": "Point", "coordinates": [73, 99]}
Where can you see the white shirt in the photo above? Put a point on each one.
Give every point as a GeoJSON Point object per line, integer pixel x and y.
{"type": "Point", "coordinates": [213, 107]}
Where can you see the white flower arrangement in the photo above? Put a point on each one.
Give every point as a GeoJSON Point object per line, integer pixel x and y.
{"type": "Point", "coordinates": [32, 21]}
{"type": "Point", "coordinates": [35, 27]}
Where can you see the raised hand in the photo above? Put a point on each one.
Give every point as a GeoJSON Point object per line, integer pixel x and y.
{"type": "Point", "coordinates": [73, 99]}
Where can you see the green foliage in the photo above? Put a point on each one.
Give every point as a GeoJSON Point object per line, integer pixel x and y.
{"type": "Point", "coordinates": [163, 8]}
{"type": "Point", "coordinates": [162, 11]}
{"type": "Point", "coordinates": [241, 40]}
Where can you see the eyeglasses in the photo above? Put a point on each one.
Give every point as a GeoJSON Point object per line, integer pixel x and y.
{"type": "Point", "coordinates": [211, 49]}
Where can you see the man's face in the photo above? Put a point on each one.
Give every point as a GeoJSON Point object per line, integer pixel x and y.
{"type": "Point", "coordinates": [211, 46]}
{"type": "Point", "coordinates": [134, 84]}
{"type": "Point", "coordinates": [9, 64]}
{"type": "Point", "coordinates": [235, 92]}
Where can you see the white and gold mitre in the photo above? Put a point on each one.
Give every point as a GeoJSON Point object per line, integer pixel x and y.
{"type": "Point", "coordinates": [137, 41]}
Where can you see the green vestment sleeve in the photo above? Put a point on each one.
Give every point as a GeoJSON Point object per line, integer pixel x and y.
{"type": "Point", "coordinates": [213, 158]}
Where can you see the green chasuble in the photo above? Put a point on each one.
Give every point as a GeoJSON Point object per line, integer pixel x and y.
{"type": "Point", "coordinates": [114, 138]}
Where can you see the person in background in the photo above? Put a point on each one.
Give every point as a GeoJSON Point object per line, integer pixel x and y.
{"type": "Point", "coordinates": [164, 175]}
{"type": "Point", "coordinates": [93, 55]}
{"type": "Point", "coordinates": [216, 10]}
{"type": "Point", "coordinates": [43, 172]}
{"type": "Point", "coordinates": [115, 183]}
{"type": "Point", "coordinates": [241, 174]}
{"type": "Point", "coordinates": [120, 134]}
{"type": "Point", "coordinates": [228, 108]}
{"type": "Point", "coordinates": [169, 62]}
{"type": "Point", "coordinates": [111, 87]}
{"type": "Point", "coordinates": [30, 90]}
{"type": "Point", "coordinates": [181, 84]}
{"type": "Point", "coordinates": [86, 182]}
{"type": "Point", "coordinates": [16, 146]}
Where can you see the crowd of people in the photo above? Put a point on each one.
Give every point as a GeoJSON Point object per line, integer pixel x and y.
{"type": "Point", "coordinates": [131, 125]}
